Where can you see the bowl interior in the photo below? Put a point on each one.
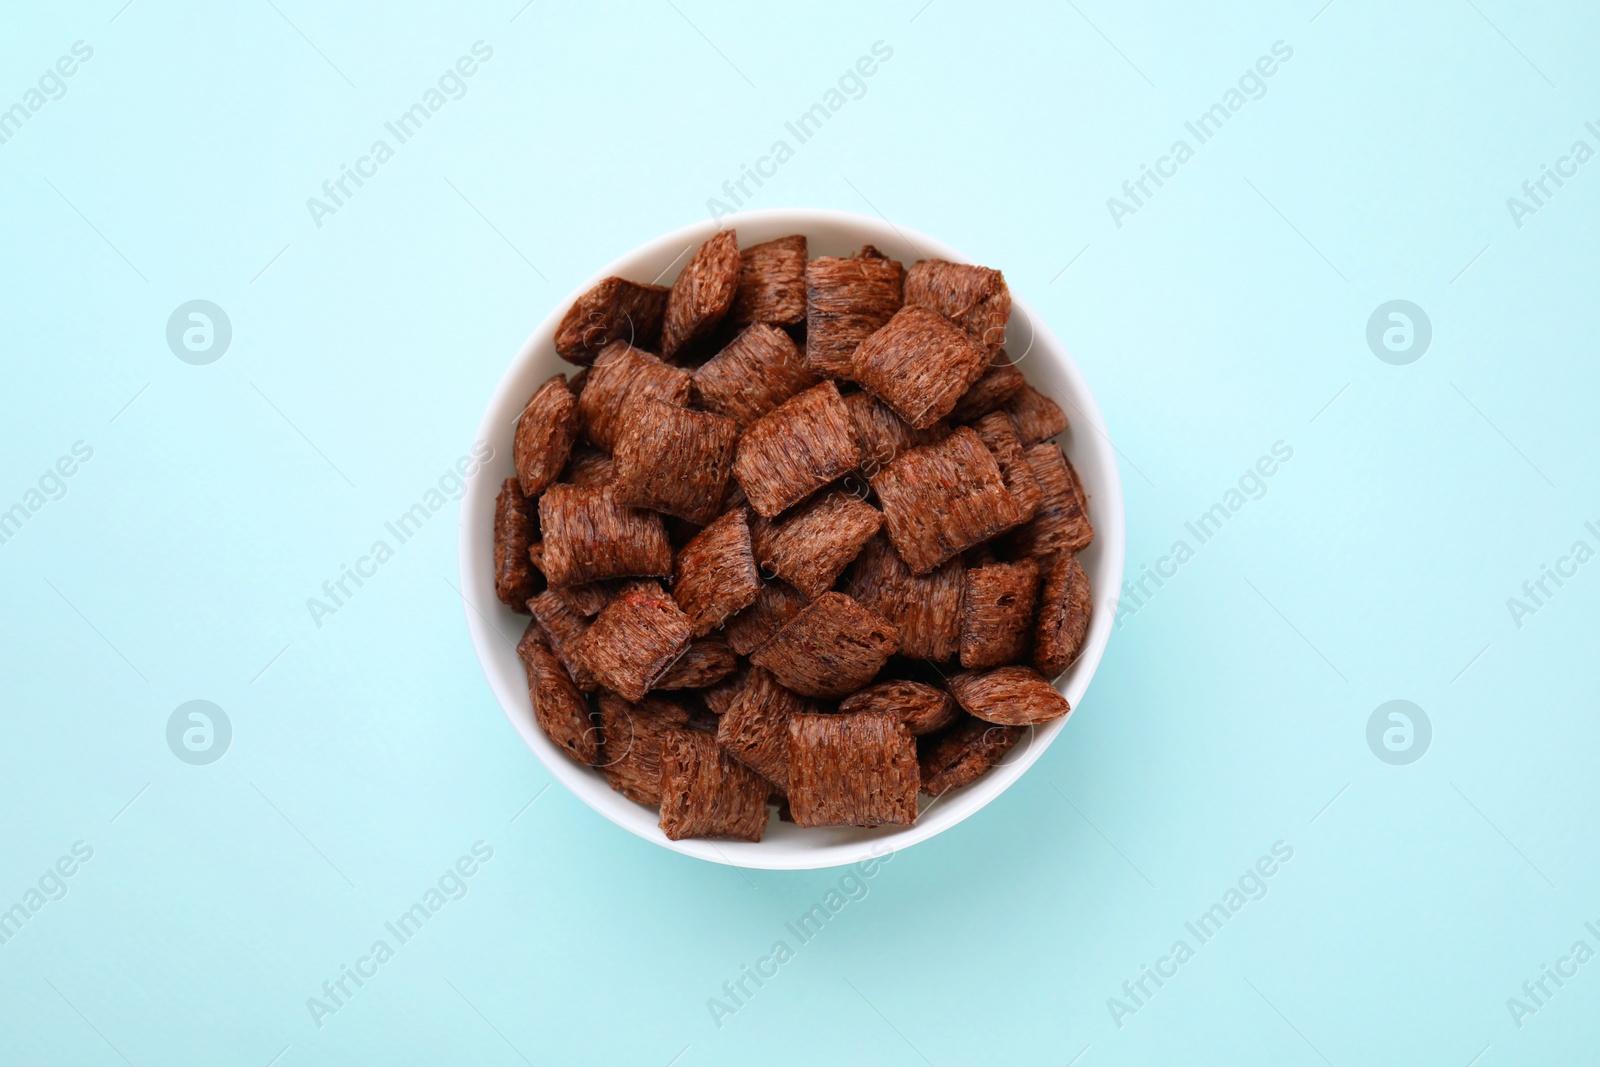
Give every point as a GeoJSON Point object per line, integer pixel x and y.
{"type": "Point", "coordinates": [495, 629]}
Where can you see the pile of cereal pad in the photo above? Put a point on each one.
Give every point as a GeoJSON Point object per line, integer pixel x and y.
{"type": "Point", "coordinates": [796, 535]}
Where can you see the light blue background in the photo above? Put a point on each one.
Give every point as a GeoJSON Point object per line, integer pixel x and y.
{"type": "Point", "coordinates": [1227, 314]}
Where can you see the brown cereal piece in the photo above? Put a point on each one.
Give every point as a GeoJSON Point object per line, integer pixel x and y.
{"type": "Point", "coordinates": [796, 449]}
{"type": "Point", "coordinates": [707, 661]}
{"type": "Point", "coordinates": [963, 753]}
{"type": "Point", "coordinates": [578, 381]}
{"type": "Point", "coordinates": [755, 728]}
{"type": "Point", "coordinates": [997, 613]}
{"type": "Point", "coordinates": [622, 374]}
{"type": "Point", "coordinates": [772, 283]}
{"type": "Point", "coordinates": [614, 310]}
{"type": "Point", "coordinates": [810, 546]}
{"type": "Point", "coordinates": [715, 573]}
{"type": "Point", "coordinates": [974, 298]}
{"type": "Point", "coordinates": [589, 467]}
{"type": "Point", "coordinates": [1062, 521]}
{"type": "Point", "coordinates": [882, 434]}
{"type": "Point", "coordinates": [1036, 417]}
{"type": "Point", "coordinates": [634, 639]}
{"type": "Point", "coordinates": [703, 293]}
{"type": "Point", "coordinates": [942, 499]}
{"type": "Point", "coordinates": [562, 625]}
{"type": "Point", "coordinates": [706, 793]}
{"type": "Point", "coordinates": [846, 300]}
{"type": "Point", "coordinates": [588, 536]}
{"type": "Point", "coordinates": [545, 431]}
{"type": "Point", "coordinates": [671, 459]}
{"type": "Point", "coordinates": [997, 434]}
{"type": "Point", "coordinates": [852, 770]}
{"type": "Point", "coordinates": [833, 647]}
{"type": "Point", "coordinates": [757, 371]}
{"type": "Point", "coordinates": [990, 392]}
{"type": "Point", "coordinates": [515, 529]}
{"type": "Point", "coordinates": [920, 363]}
{"type": "Point", "coordinates": [720, 697]}
{"type": "Point", "coordinates": [631, 735]}
{"type": "Point", "coordinates": [923, 708]}
{"type": "Point", "coordinates": [775, 604]}
{"type": "Point", "coordinates": [561, 711]}
{"type": "Point", "coordinates": [1009, 696]}
{"type": "Point", "coordinates": [1065, 608]}
{"type": "Point", "coordinates": [925, 609]}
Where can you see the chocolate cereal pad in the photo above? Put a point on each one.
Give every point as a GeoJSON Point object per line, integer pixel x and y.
{"type": "Point", "coordinates": [795, 532]}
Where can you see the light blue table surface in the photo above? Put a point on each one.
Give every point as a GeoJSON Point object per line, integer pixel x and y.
{"type": "Point", "coordinates": [1417, 907]}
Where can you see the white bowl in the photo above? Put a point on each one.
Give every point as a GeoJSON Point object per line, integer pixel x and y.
{"type": "Point", "coordinates": [495, 628]}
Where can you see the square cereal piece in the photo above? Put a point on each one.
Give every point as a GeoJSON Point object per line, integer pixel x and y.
{"type": "Point", "coordinates": [796, 449]}
{"type": "Point", "coordinates": [990, 392]}
{"type": "Point", "coordinates": [631, 735]}
{"type": "Point", "coordinates": [634, 639]}
{"type": "Point", "coordinates": [1008, 696]}
{"type": "Point", "coordinates": [715, 573]}
{"type": "Point", "coordinates": [997, 613]}
{"type": "Point", "coordinates": [620, 375]}
{"type": "Point", "coordinates": [846, 300]}
{"type": "Point", "coordinates": [757, 371]}
{"type": "Point", "coordinates": [614, 310]}
{"type": "Point", "coordinates": [810, 546]}
{"type": "Point", "coordinates": [772, 283]}
{"type": "Point", "coordinates": [1036, 417]}
{"type": "Point", "coordinates": [515, 533]}
{"type": "Point", "coordinates": [589, 467]}
{"type": "Point", "coordinates": [706, 793]}
{"type": "Point", "coordinates": [942, 499]}
{"type": "Point", "coordinates": [671, 459]}
{"type": "Point", "coordinates": [998, 436]}
{"type": "Point", "coordinates": [963, 753]}
{"type": "Point", "coordinates": [882, 434]}
{"type": "Point", "coordinates": [703, 293]}
{"type": "Point", "coordinates": [920, 363]}
{"type": "Point", "coordinates": [707, 661]}
{"type": "Point", "coordinates": [926, 609]}
{"type": "Point", "coordinates": [545, 431]}
{"type": "Point", "coordinates": [852, 770]}
{"type": "Point", "coordinates": [974, 298]}
{"type": "Point", "coordinates": [833, 647]}
{"type": "Point", "coordinates": [1065, 608]}
{"type": "Point", "coordinates": [775, 604]}
{"type": "Point", "coordinates": [588, 536]}
{"type": "Point", "coordinates": [561, 625]}
{"type": "Point", "coordinates": [561, 711]}
{"type": "Point", "coordinates": [1062, 521]}
{"type": "Point", "coordinates": [755, 728]}
{"type": "Point", "coordinates": [923, 708]}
